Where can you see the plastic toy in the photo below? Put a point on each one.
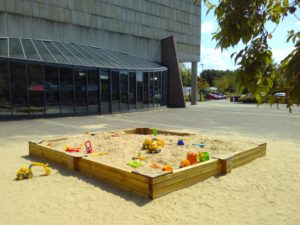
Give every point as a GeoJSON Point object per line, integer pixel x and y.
{"type": "Point", "coordinates": [70, 149]}
{"type": "Point", "coordinates": [155, 166]}
{"type": "Point", "coordinates": [155, 132]}
{"type": "Point", "coordinates": [135, 164]}
{"type": "Point", "coordinates": [151, 146]}
{"type": "Point", "coordinates": [184, 163]}
{"type": "Point", "coordinates": [203, 156]}
{"type": "Point", "coordinates": [180, 142]}
{"type": "Point", "coordinates": [88, 147]}
{"type": "Point", "coordinates": [26, 172]}
{"type": "Point", "coordinates": [200, 145]}
{"type": "Point", "coordinates": [192, 157]}
{"type": "Point", "coordinates": [167, 168]}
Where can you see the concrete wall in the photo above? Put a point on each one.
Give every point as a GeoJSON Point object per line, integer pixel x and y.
{"type": "Point", "coordinates": [132, 26]}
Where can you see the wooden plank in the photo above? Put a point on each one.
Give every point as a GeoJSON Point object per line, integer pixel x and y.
{"type": "Point", "coordinates": [261, 147]}
{"type": "Point", "coordinates": [122, 180]}
{"type": "Point", "coordinates": [215, 167]}
{"type": "Point", "coordinates": [243, 159]}
{"type": "Point", "coordinates": [157, 192]}
{"type": "Point", "coordinates": [190, 169]}
{"type": "Point", "coordinates": [53, 155]}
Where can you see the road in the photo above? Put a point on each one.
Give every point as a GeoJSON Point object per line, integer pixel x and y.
{"type": "Point", "coordinates": [209, 117]}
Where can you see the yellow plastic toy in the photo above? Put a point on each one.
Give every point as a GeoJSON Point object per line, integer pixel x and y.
{"type": "Point", "coordinates": [26, 172]}
{"type": "Point", "coordinates": [152, 146]}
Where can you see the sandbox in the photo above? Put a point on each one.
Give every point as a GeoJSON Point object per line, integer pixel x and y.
{"type": "Point", "coordinates": [120, 146]}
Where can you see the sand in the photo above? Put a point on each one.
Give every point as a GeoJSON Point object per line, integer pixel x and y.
{"type": "Point", "coordinates": [120, 148]}
{"type": "Point", "coordinates": [266, 191]}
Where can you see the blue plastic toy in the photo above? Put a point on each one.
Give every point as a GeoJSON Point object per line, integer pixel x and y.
{"type": "Point", "coordinates": [200, 145]}
{"type": "Point", "coordinates": [180, 142]}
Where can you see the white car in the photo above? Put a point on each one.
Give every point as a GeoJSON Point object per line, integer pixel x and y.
{"type": "Point", "coordinates": [279, 94]}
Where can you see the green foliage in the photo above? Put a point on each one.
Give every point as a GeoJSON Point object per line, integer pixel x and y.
{"type": "Point", "coordinates": [244, 22]}
{"type": "Point", "coordinates": [202, 84]}
{"type": "Point", "coordinates": [221, 79]}
{"type": "Point", "coordinates": [186, 75]}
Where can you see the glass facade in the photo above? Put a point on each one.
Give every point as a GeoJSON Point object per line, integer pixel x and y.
{"type": "Point", "coordinates": [46, 78]}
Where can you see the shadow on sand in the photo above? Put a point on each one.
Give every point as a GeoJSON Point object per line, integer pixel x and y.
{"type": "Point", "coordinates": [128, 196]}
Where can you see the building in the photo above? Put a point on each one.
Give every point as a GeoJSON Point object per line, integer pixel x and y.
{"type": "Point", "coordinates": [70, 57]}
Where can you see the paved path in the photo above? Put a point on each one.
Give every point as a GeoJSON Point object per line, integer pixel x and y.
{"type": "Point", "coordinates": [212, 117]}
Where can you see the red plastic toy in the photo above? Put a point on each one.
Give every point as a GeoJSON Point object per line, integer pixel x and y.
{"type": "Point", "coordinates": [88, 146]}
{"type": "Point", "coordinates": [68, 149]}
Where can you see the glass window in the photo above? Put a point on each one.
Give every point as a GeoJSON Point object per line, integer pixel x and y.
{"type": "Point", "coordinates": [19, 88]}
{"type": "Point", "coordinates": [67, 90]}
{"type": "Point", "coordinates": [78, 54]}
{"type": "Point", "coordinates": [52, 90]}
{"type": "Point", "coordinates": [151, 90]}
{"type": "Point", "coordinates": [3, 47]}
{"type": "Point", "coordinates": [15, 48]}
{"type": "Point", "coordinates": [146, 90]}
{"type": "Point", "coordinates": [139, 90]}
{"type": "Point", "coordinates": [29, 50]}
{"type": "Point", "coordinates": [36, 89]}
{"type": "Point", "coordinates": [93, 91]}
{"type": "Point", "coordinates": [124, 90]}
{"type": "Point", "coordinates": [91, 60]}
{"type": "Point", "coordinates": [80, 77]}
{"type": "Point", "coordinates": [43, 51]}
{"type": "Point", "coordinates": [115, 101]}
{"type": "Point", "coordinates": [156, 89]}
{"type": "Point", "coordinates": [132, 91]}
{"type": "Point", "coordinates": [67, 53]}
{"type": "Point", "coordinates": [105, 91]}
{"type": "Point", "coordinates": [54, 51]}
{"type": "Point", "coordinates": [5, 104]}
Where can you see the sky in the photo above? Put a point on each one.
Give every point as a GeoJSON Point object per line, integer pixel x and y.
{"type": "Point", "coordinates": [212, 58]}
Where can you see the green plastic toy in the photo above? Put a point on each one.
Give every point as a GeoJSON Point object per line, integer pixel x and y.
{"type": "Point", "coordinates": [135, 164]}
{"type": "Point", "coordinates": [203, 156]}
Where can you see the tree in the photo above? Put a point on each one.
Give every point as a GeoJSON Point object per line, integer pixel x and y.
{"type": "Point", "coordinates": [245, 22]}
{"type": "Point", "coordinates": [222, 83]}
{"type": "Point", "coordinates": [186, 75]}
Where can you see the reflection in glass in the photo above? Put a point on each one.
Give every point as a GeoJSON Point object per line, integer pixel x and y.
{"type": "Point", "coordinates": [80, 90]}
{"type": "Point", "coordinates": [19, 88]}
{"type": "Point", "coordinates": [5, 104]}
{"type": "Point", "coordinates": [156, 96]}
{"type": "Point", "coordinates": [146, 90]}
{"type": "Point", "coordinates": [3, 47]}
{"type": "Point", "coordinates": [29, 50]}
{"type": "Point", "coordinates": [36, 89]}
{"type": "Point", "coordinates": [52, 101]}
{"type": "Point", "coordinates": [115, 101]}
{"type": "Point", "coordinates": [15, 48]}
{"type": "Point", "coordinates": [93, 91]}
{"type": "Point", "coordinates": [105, 92]}
{"type": "Point", "coordinates": [67, 53]}
{"type": "Point", "coordinates": [54, 51]}
{"type": "Point", "coordinates": [67, 90]}
{"type": "Point", "coordinates": [139, 90]}
{"type": "Point", "coordinates": [132, 91]}
{"type": "Point", "coordinates": [151, 90]}
{"type": "Point", "coordinates": [43, 51]}
{"type": "Point", "coordinates": [124, 90]}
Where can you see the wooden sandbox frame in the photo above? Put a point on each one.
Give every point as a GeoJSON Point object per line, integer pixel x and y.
{"type": "Point", "coordinates": [150, 185]}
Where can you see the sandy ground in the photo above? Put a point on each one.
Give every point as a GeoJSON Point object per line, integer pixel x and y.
{"type": "Point", "coordinates": [266, 191]}
{"type": "Point", "coordinates": [121, 147]}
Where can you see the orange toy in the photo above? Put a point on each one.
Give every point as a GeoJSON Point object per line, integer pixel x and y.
{"type": "Point", "coordinates": [185, 163]}
{"type": "Point", "coordinates": [167, 168]}
{"type": "Point", "coordinates": [192, 157]}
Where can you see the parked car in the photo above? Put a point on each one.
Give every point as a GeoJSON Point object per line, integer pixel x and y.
{"type": "Point", "coordinates": [214, 96]}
